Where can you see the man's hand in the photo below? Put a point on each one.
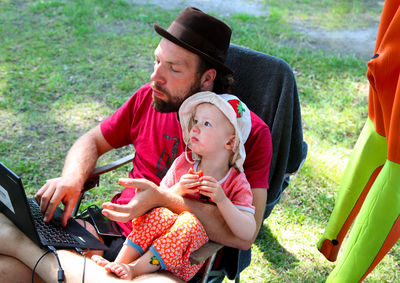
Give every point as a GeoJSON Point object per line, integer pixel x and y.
{"type": "Point", "coordinates": [58, 190]}
{"type": "Point", "coordinates": [79, 163]}
{"type": "Point", "coordinates": [148, 195]}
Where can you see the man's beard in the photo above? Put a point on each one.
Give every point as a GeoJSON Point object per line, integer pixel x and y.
{"type": "Point", "coordinates": [172, 105]}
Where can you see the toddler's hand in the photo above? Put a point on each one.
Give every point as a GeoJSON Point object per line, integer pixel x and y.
{"type": "Point", "coordinates": [188, 183]}
{"type": "Point", "coordinates": [211, 188]}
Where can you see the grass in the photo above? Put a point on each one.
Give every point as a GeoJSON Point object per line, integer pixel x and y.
{"type": "Point", "coordinates": [327, 13]}
{"type": "Point", "coordinates": [66, 65]}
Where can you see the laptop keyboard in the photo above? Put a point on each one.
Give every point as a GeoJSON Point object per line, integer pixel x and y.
{"type": "Point", "coordinates": [50, 232]}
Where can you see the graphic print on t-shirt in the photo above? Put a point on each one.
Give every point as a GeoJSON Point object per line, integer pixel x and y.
{"type": "Point", "coordinates": [166, 159]}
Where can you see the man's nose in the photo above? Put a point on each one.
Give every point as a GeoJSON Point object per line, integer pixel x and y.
{"type": "Point", "coordinates": [157, 75]}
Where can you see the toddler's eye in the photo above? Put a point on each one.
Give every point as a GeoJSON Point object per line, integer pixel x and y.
{"type": "Point", "coordinates": [207, 124]}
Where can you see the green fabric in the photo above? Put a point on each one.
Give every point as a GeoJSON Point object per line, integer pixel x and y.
{"type": "Point", "coordinates": [356, 175]}
{"type": "Point", "coordinates": [374, 222]}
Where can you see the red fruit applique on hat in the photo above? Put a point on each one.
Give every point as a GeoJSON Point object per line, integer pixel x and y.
{"type": "Point", "coordinates": [237, 106]}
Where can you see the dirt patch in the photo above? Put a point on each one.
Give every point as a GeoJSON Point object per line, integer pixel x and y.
{"type": "Point", "coordinates": [220, 7]}
{"type": "Point", "coordinates": [359, 43]}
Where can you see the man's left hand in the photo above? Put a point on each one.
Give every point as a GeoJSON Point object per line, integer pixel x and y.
{"type": "Point", "coordinates": [147, 196]}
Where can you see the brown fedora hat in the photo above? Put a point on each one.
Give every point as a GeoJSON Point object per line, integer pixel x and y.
{"type": "Point", "coordinates": [201, 34]}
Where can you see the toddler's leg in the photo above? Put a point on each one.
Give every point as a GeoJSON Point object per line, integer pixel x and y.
{"type": "Point", "coordinates": [145, 264]}
{"type": "Point", "coordinates": [147, 228]}
{"type": "Point", "coordinates": [120, 266]}
{"type": "Point", "coordinates": [127, 254]}
{"type": "Point", "coordinates": [100, 260]}
{"type": "Point", "coordinates": [174, 248]}
{"type": "Point", "coordinates": [123, 271]}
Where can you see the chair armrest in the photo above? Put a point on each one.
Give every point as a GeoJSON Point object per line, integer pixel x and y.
{"type": "Point", "coordinates": [93, 179]}
{"type": "Point", "coordinates": [111, 166]}
{"type": "Point", "coordinates": [204, 252]}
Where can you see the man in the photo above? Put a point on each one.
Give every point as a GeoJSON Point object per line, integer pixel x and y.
{"type": "Point", "coordinates": [189, 58]}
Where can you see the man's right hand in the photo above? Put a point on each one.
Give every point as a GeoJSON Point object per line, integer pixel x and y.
{"type": "Point", "coordinates": [58, 190]}
{"type": "Point", "coordinates": [80, 161]}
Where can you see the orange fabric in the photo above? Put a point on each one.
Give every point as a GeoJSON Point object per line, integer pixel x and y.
{"type": "Point", "coordinates": [150, 226]}
{"type": "Point", "coordinates": [185, 236]}
{"type": "Point", "coordinates": [384, 76]}
{"type": "Point", "coordinates": [173, 236]}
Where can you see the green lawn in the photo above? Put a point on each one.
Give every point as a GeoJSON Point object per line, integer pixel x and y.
{"type": "Point", "coordinates": [66, 65]}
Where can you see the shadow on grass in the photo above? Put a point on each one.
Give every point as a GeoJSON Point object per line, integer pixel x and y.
{"type": "Point", "coordinates": [273, 251]}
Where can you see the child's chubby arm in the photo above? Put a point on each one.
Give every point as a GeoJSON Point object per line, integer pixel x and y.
{"type": "Point", "coordinates": [241, 223]}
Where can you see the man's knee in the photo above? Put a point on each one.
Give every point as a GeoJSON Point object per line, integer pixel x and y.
{"type": "Point", "coordinates": [12, 270]}
{"type": "Point", "coordinates": [11, 235]}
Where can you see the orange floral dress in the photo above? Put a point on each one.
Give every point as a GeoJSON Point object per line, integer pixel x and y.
{"type": "Point", "coordinates": [171, 237]}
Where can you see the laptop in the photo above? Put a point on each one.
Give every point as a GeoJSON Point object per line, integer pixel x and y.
{"type": "Point", "coordinates": [26, 215]}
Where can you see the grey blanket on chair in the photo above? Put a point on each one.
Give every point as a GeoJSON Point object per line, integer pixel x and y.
{"type": "Point", "coordinates": [268, 86]}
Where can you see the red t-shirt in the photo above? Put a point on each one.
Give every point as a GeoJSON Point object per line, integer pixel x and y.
{"type": "Point", "coordinates": [157, 138]}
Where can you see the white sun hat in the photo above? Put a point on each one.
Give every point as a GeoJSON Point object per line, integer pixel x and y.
{"type": "Point", "coordinates": [231, 106]}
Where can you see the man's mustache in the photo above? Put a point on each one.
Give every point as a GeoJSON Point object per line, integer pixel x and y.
{"type": "Point", "coordinates": [158, 88]}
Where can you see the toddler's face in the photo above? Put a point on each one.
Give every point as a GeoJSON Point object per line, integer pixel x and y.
{"type": "Point", "coordinates": [211, 130]}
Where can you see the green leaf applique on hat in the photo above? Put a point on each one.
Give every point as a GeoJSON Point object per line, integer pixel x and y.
{"type": "Point", "coordinates": [237, 106]}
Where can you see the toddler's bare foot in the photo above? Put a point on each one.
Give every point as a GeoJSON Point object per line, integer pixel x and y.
{"type": "Point", "coordinates": [123, 271]}
{"type": "Point", "coordinates": [100, 260]}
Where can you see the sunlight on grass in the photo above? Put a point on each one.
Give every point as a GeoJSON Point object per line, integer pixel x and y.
{"type": "Point", "coordinates": [79, 115]}
{"type": "Point", "coordinates": [327, 162]}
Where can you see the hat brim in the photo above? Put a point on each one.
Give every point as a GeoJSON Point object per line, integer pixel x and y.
{"type": "Point", "coordinates": [217, 64]}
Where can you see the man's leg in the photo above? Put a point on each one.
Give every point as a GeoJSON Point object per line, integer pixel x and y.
{"type": "Point", "coordinates": [21, 249]}
{"type": "Point", "coordinates": [13, 271]}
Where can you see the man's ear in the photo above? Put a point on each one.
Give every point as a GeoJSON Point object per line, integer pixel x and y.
{"type": "Point", "coordinates": [207, 80]}
{"type": "Point", "coordinates": [230, 143]}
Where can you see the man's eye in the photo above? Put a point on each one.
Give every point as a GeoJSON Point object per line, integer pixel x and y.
{"type": "Point", "coordinates": [173, 69]}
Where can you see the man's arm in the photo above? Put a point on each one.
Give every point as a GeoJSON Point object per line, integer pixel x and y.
{"type": "Point", "coordinates": [79, 163]}
{"type": "Point", "coordinates": [149, 195]}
